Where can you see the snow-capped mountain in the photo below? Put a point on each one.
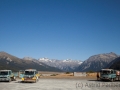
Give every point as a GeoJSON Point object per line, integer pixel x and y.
{"type": "Point", "coordinates": [28, 58]}
{"type": "Point", "coordinates": [65, 65]}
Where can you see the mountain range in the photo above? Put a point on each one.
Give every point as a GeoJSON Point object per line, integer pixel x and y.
{"type": "Point", "coordinates": [93, 63]}
{"type": "Point", "coordinates": [14, 63]}
{"type": "Point", "coordinates": [64, 65]}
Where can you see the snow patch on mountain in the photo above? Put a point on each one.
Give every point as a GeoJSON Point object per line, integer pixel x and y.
{"type": "Point", "coordinates": [65, 65]}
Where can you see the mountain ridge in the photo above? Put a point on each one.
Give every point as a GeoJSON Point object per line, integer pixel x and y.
{"type": "Point", "coordinates": [8, 61]}
{"type": "Point", "coordinates": [97, 62]}
{"type": "Point", "coordinates": [93, 63]}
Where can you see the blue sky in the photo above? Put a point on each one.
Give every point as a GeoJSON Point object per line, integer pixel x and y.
{"type": "Point", "coordinates": [59, 29]}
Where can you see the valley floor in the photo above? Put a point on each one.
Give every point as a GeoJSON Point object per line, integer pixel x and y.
{"type": "Point", "coordinates": [75, 83]}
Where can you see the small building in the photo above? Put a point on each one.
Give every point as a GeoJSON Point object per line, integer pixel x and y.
{"type": "Point", "coordinates": [79, 74]}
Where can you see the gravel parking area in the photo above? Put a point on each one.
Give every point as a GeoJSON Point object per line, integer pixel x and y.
{"type": "Point", "coordinates": [61, 84]}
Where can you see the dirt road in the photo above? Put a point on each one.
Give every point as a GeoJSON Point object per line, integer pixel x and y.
{"type": "Point", "coordinates": [61, 84]}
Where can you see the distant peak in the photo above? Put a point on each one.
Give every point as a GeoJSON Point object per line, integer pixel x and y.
{"type": "Point", "coordinates": [112, 53]}
{"type": "Point", "coordinates": [28, 58]}
{"type": "Point", "coordinates": [44, 58]}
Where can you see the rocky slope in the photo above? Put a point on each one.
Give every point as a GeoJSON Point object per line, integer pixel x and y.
{"type": "Point", "coordinates": [97, 62]}
{"type": "Point", "coordinates": [115, 64]}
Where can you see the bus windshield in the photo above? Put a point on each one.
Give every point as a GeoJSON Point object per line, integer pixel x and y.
{"type": "Point", "coordinates": [4, 73]}
{"type": "Point", "coordinates": [105, 72]}
{"type": "Point", "coordinates": [29, 72]}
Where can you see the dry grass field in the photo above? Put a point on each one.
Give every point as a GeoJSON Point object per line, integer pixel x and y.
{"type": "Point", "coordinates": [65, 75]}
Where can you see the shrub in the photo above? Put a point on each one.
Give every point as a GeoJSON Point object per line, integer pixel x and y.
{"type": "Point", "coordinates": [53, 75]}
{"type": "Point", "coordinates": [67, 72]}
